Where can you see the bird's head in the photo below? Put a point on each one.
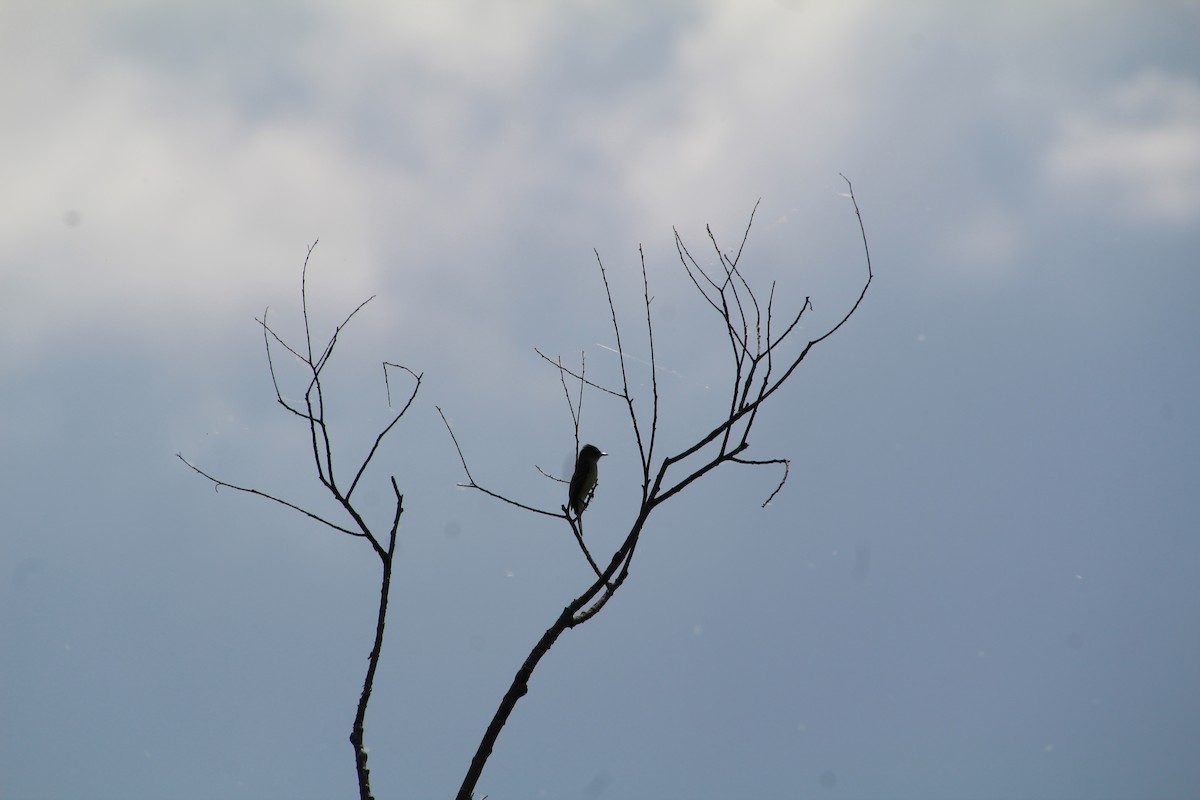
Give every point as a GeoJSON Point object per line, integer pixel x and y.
{"type": "Point", "coordinates": [591, 453]}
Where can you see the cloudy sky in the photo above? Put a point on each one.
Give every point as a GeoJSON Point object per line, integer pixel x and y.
{"type": "Point", "coordinates": [978, 582]}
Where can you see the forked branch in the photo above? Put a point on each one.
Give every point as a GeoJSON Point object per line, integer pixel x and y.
{"type": "Point", "coordinates": [756, 354]}
{"type": "Point", "coordinates": [315, 413]}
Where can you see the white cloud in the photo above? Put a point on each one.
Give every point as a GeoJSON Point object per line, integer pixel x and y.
{"type": "Point", "coordinates": [755, 95]}
{"type": "Point", "coordinates": [133, 203]}
{"type": "Point", "coordinates": [434, 146]}
{"type": "Point", "coordinates": [1134, 154]}
{"type": "Point", "coordinates": [446, 40]}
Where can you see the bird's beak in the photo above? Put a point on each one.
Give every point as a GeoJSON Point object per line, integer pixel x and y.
{"type": "Point", "coordinates": [603, 453]}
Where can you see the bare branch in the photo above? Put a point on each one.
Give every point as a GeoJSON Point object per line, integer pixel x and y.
{"type": "Point", "coordinates": [471, 484]}
{"type": "Point", "coordinates": [633, 419]}
{"type": "Point", "coordinates": [770, 348]}
{"type": "Point", "coordinates": [577, 414]}
{"type": "Point", "coordinates": [548, 475]}
{"type": "Point", "coordinates": [787, 468]}
{"type": "Point", "coordinates": [396, 518]}
{"type": "Point", "coordinates": [558, 365]}
{"type": "Point", "coordinates": [737, 346]}
{"type": "Point", "coordinates": [754, 380]}
{"type": "Point", "coordinates": [320, 364]}
{"type": "Point", "coordinates": [861, 228]}
{"type": "Point", "coordinates": [316, 425]}
{"type": "Point", "coordinates": [356, 731]}
{"type": "Point", "coordinates": [217, 484]}
{"type": "Point", "coordinates": [304, 299]}
{"type": "Point", "coordinates": [390, 425]}
{"type": "Point", "coordinates": [806, 306]}
{"type": "Point", "coordinates": [746, 233]}
{"type": "Point", "coordinates": [648, 456]}
{"type": "Point", "coordinates": [863, 293]}
{"type": "Point", "coordinates": [732, 286]}
{"type": "Point", "coordinates": [767, 391]}
{"type": "Point", "coordinates": [659, 497]}
{"type": "Point", "coordinates": [577, 529]}
{"type": "Point", "coordinates": [591, 611]}
{"type": "Point", "coordinates": [685, 258]}
{"type": "Point", "coordinates": [562, 378]}
{"type": "Point", "coordinates": [314, 414]}
{"type": "Point", "coordinates": [271, 362]}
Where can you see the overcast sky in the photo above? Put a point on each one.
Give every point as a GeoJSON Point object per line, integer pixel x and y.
{"type": "Point", "coordinates": [978, 582]}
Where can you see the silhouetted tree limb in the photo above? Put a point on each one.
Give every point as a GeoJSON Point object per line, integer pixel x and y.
{"type": "Point", "coordinates": [471, 484]}
{"type": "Point", "coordinates": [217, 484]}
{"type": "Point", "coordinates": [314, 412]}
{"type": "Point", "coordinates": [759, 366]}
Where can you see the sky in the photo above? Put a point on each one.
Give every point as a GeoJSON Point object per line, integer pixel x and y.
{"type": "Point", "coordinates": [978, 581]}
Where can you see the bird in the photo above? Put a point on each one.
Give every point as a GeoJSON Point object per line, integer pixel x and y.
{"type": "Point", "coordinates": [583, 481]}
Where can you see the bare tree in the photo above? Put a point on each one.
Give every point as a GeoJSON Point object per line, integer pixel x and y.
{"type": "Point", "coordinates": [763, 356]}
{"type": "Point", "coordinates": [315, 414]}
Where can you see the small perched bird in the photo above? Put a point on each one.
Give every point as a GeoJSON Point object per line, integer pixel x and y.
{"type": "Point", "coordinates": [584, 479]}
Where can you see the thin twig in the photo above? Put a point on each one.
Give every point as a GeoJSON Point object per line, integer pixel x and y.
{"type": "Point", "coordinates": [648, 456]}
{"type": "Point", "coordinates": [218, 483]}
{"type": "Point", "coordinates": [387, 429]}
{"type": "Point", "coordinates": [787, 468]}
{"type": "Point", "coordinates": [577, 529]}
{"type": "Point", "coordinates": [304, 299]}
{"type": "Point", "coordinates": [471, 484]}
{"type": "Point", "coordinates": [633, 419]}
{"type": "Point", "coordinates": [271, 362]}
{"type": "Point", "coordinates": [558, 365]}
